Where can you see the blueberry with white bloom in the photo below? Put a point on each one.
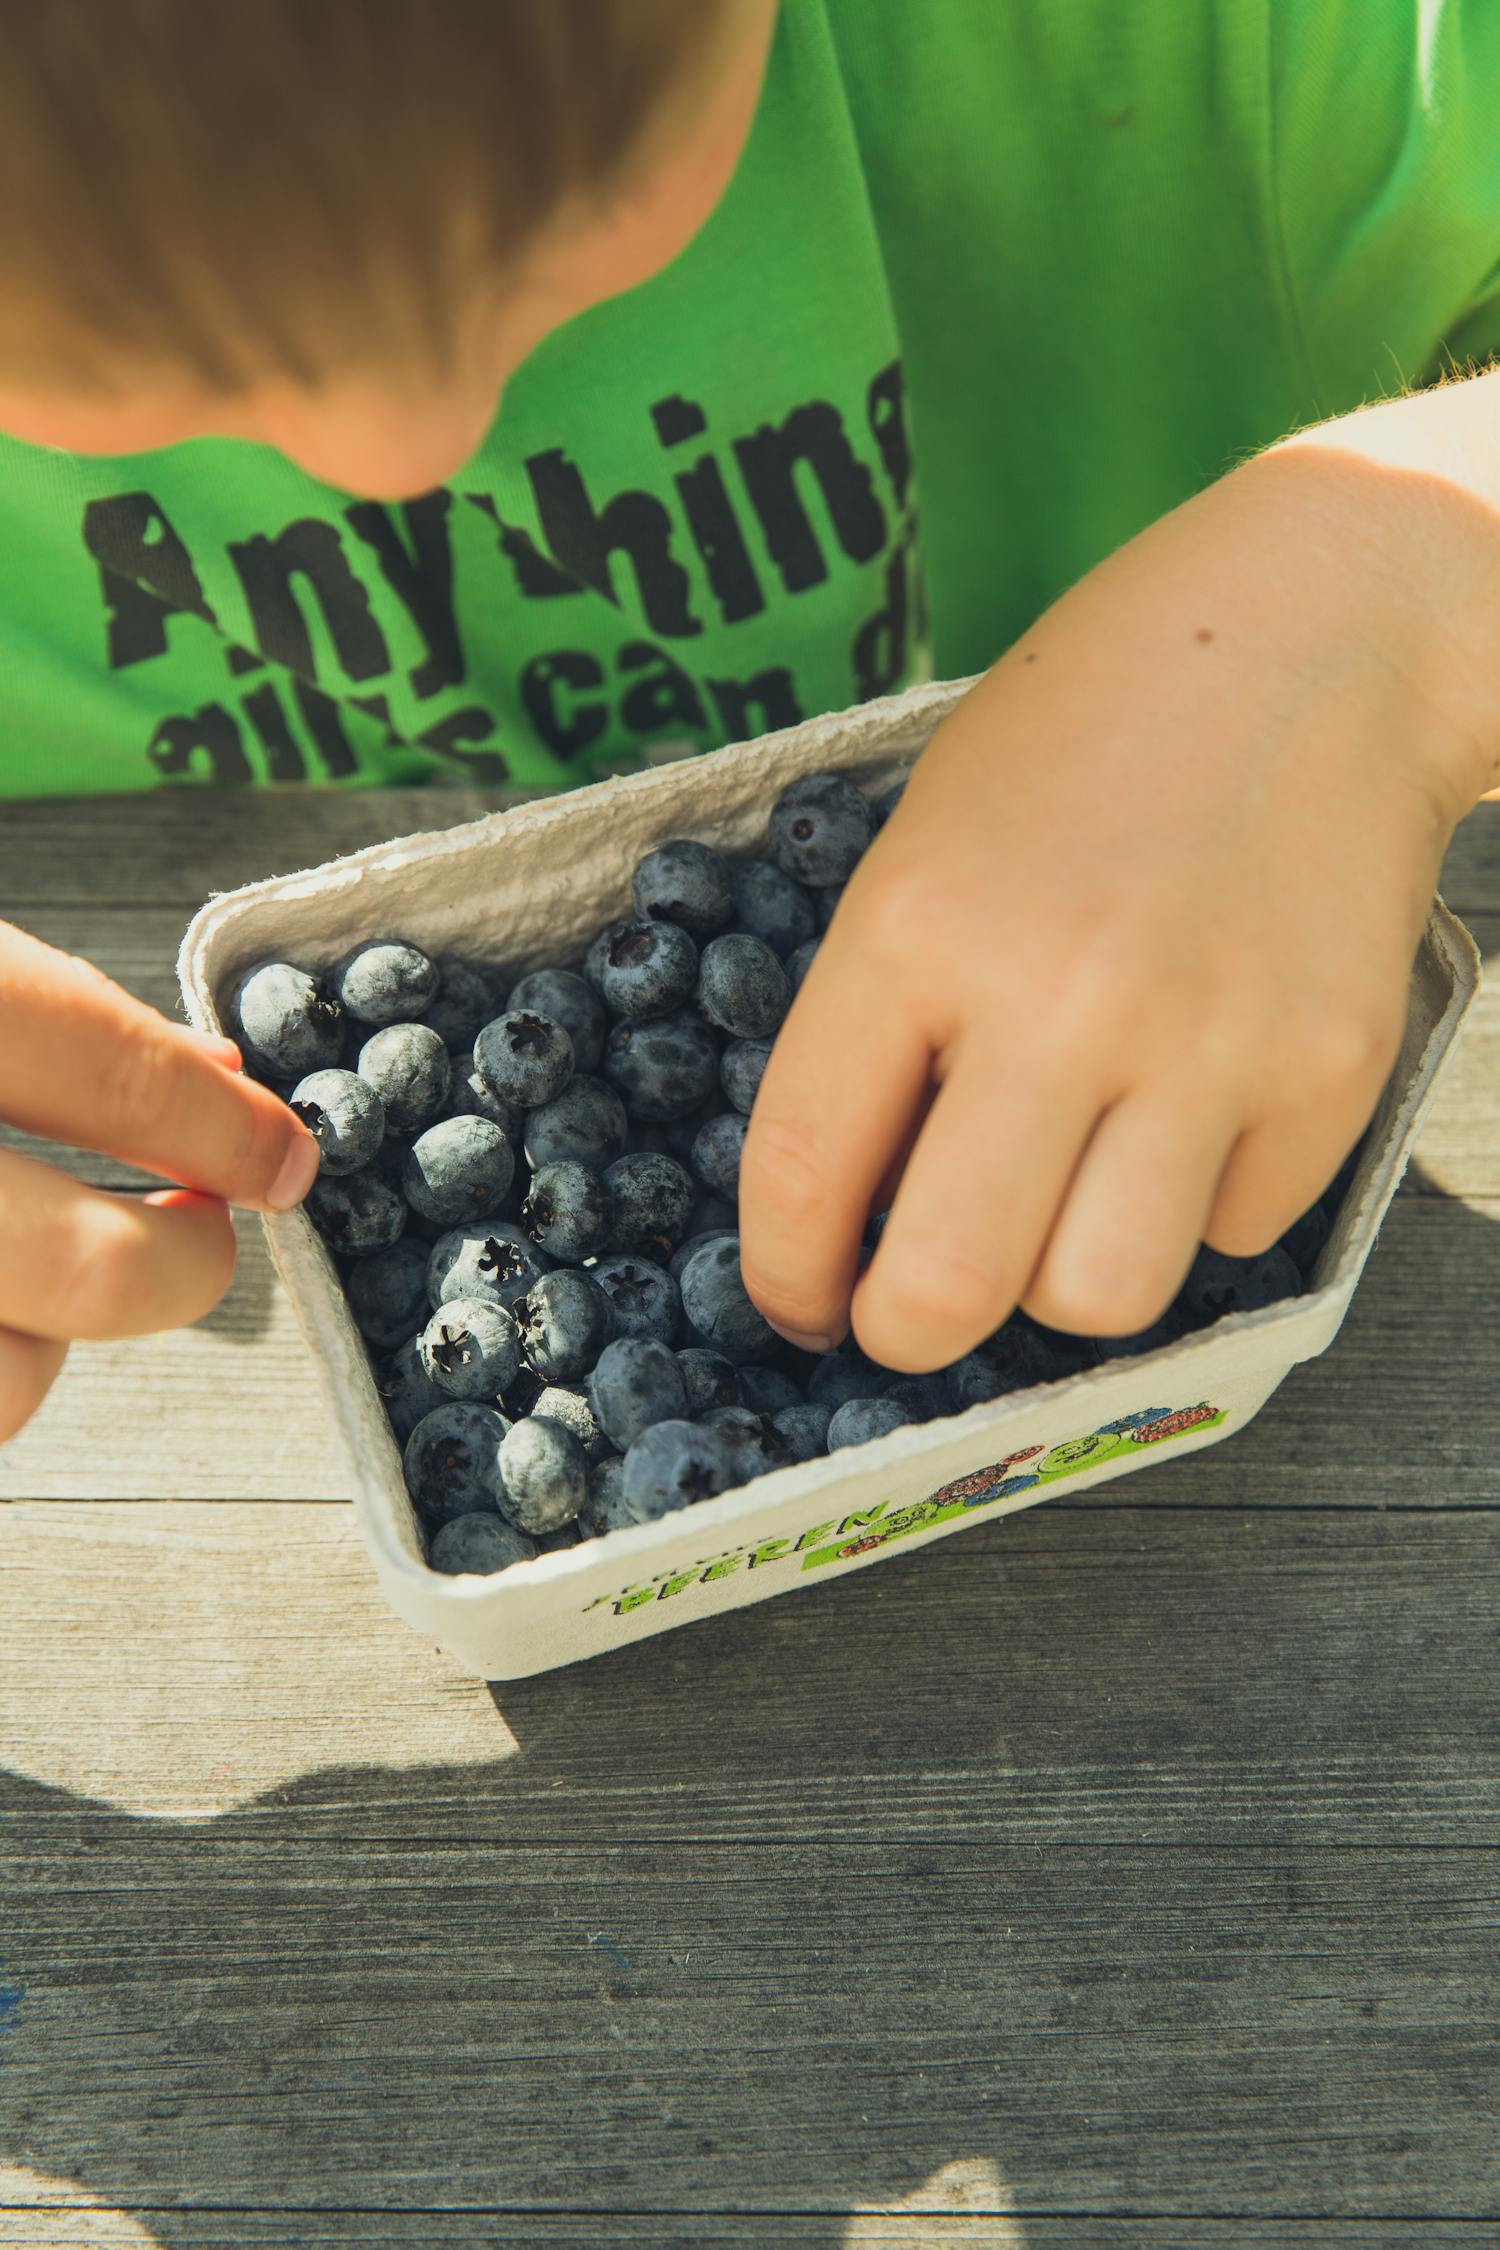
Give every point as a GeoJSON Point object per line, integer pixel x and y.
{"type": "Point", "coordinates": [637, 1381]}
{"type": "Point", "coordinates": [716, 1303]}
{"type": "Point", "coordinates": [642, 1296]}
{"type": "Point", "coordinates": [565, 1323]}
{"type": "Point", "coordinates": [286, 1022]}
{"type": "Point", "coordinates": [479, 1544]}
{"type": "Point", "coordinates": [663, 1069]}
{"type": "Point", "coordinates": [409, 1069]}
{"type": "Point", "coordinates": [771, 905]}
{"type": "Point", "coordinates": [673, 1464]}
{"type": "Point", "coordinates": [742, 986]}
{"type": "Point", "coordinates": [494, 1259]}
{"type": "Point", "coordinates": [651, 1200]}
{"type": "Point", "coordinates": [458, 1169]}
{"type": "Point", "coordinates": [344, 1116]}
{"type": "Point", "coordinates": [524, 1057]}
{"type": "Point", "coordinates": [556, 1403]}
{"type": "Point", "coordinates": [820, 826]}
{"type": "Point", "coordinates": [570, 1000]}
{"type": "Point", "coordinates": [861, 1420]}
{"type": "Point", "coordinates": [566, 1212]}
{"type": "Point", "coordinates": [804, 1429]}
{"type": "Point", "coordinates": [385, 981]}
{"type": "Point", "coordinates": [470, 1348]}
{"type": "Point", "coordinates": [584, 1124]}
{"type": "Point", "coordinates": [468, 1096]}
{"type": "Point", "coordinates": [452, 1460]}
{"type": "Point", "coordinates": [643, 968]}
{"type": "Point", "coordinates": [686, 883]}
{"type": "Point", "coordinates": [545, 1473]}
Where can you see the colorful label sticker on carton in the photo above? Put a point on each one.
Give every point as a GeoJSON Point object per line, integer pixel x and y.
{"type": "Point", "coordinates": [858, 1533]}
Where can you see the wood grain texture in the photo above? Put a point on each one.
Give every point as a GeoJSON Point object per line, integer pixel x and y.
{"type": "Point", "coordinates": [1143, 1857]}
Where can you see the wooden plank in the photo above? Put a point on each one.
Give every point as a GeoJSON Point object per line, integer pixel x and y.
{"type": "Point", "coordinates": [1401, 1411]}
{"type": "Point", "coordinates": [1177, 1680]}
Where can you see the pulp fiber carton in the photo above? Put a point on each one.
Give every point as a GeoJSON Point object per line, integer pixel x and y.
{"type": "Point", "coordinates": [533, 885]}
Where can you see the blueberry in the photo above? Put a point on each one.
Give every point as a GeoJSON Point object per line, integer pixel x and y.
{"type": "Point", "coordinates": [458, 1169]}
{"type": "Point", "coordinates": [468, 1096]}
{"type": "Point", "coordinates": [1169, 1329]}
{"type": "Point", "coordinates": [651, 1200]}
{"type": "Point", "coordinates": [495, 1260]}
{"type": "Point", "coordinates": [820, 826]}
{"type": "Point", "coordinates": [470, 1348]}
{"type": "Point", "coordinates": [285, 1022]}
{"type": "Point", "coordinates": [524, 1057]}
{"type": "Point", "coordinates": [565, 1323]}
{"type": "Point", "coordinates": [756, 1446]}
{"type": "Point", "coordinates": [385, 982]}
{"type": "Point", "coordinates": [673, 1464]}
{"type": "Point", "coordinates": [1217, 1284]}
{"type": "Point", "coordinates": [827, 907]}
{"type": "Point", "coordinates": [558, 1404]}
{"type": "Point", "coordinates": [665, 1068]}
{"type": "Point", "coordinates": [479, 1544]}
{"type": "Point", "coordinates": [642, 969]}
{"type": "Point", "coordinates": [344, 1116]}
{"type": "Point", "coordinates": [717, 1148]}
{"type": "Point", "coordinates": [1304, 1240]}
{"type": "Point", "coordinates": [1013, 1359]}
{"type": "Point", "coordinates": [924, 1397]}
{"type": "Point", "coordinates": [859, 1420]}
{"type": "Point", "coordinates": [356, 1214]}
{"type": "Point", "coordinates": [712, 1214]}
{"type": "Point", "coordinates": [407, 1389]}
{"type": "Point", "coordinates": [885, 804]}
{"type": "Point", "coordinates": [585, 1124]}
{"type": "Point", "coordinates": [467, 999]}
{"type": "Point", "coordinates": [566, 1212]}
{"type": "Point", "coordinates": [1062, 1352]}
{"type": "Point", "coordinates": [842, 1376]}
{"type": "Point", "coordinates": [643, 1297]}
{"type": "Point", "coordinates": [637, 1381]}
{"type": "Point", "coordinates": [742, 986]}
{"type": "Point", "coordinates": [710, 1380]}
{"type": "Point", "coordinates": [715, 1302]}
{"type": "Point", "coordinates": [799, 963]}
{"type": "Point", "coordinates": [690, 1245]}
{"type": "Point", "coordinates": [452, 1460]}
{"type": "Point", "coordinates": [571, 1001]}
{"type": "Point", "coordinates": [604, 1510]}
{"type": "Point", "coordinates": [742, 1066]}
{"type": "Point", "coordinates": [766, 1390]}
{"type": "Point", "coordinates": [771, 906]}
{"type": "Point", "coordinates": [387, 1293]}
{"type": "Point", "coordinates": [409, 1069]}
{"type": "Point", "coordinates": [804, 1428]}
{"type": "Point", "coordinates": [566, 1535]}
{"type": "Point", "coordinates": [546, 1475]}
{"type": "Point", "coordinates": [685, 883]}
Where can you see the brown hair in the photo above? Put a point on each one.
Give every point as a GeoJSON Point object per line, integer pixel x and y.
{"type": "Point", "coordinates": [226, 187]}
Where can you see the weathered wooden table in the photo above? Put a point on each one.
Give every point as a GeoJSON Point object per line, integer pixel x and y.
{"type": "Point", "coordinates": [1122, 1873]}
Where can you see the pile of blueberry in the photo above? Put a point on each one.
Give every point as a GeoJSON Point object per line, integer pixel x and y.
{"type": "Point", "coordinates": [530, 1195]}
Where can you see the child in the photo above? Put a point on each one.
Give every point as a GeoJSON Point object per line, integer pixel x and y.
{"type": "Point", "coordinates": [565, 379]}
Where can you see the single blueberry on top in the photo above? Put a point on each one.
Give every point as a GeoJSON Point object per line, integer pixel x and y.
{"type": "Point", "coordinates": [285, 1023]}
{"type": "Point", "coordinates": [452, 1460]}
{"type": "Point", "coordinates": [642, 969]}
{"type": "Point", "coordinates": [566, 1211]}
{"type": "Point", "coordinates": [344, 1116]}
{"type": "Point", "coordinates": [673, 1464]}
{"type": "Point", "coordinates": [642, 1297]}
{"type": "Point", "coordinates": [491, 1260]}
{"type": "Point", "coordinates": [385, 981]}
{"type": "Point", "coordinates": [742, 986]}
{"type": "Point", "coordinates": [470, 1348]}
{"type": "Point", "coordinates": [545, 1473]}
{"type": "Point", "coordinates": [570, 1000]}
{"type": "Point", "coordinates": [651, 1200]}
{"type": "Point", "coordinates": [357, 1212]}
{"type": "Point", "coordinates": [458, 1169]}
{"type": "Point", "coordinates": [408, 1067]}
{"type": "Point", "coordinates": [584, 1124]}
{"type": "Point", "coordinates": [820, 826]}
{"type": "Point", "coordinates": [565, 1323]}
{"type": "Point", "coordinates": [478, 1543]}
{"type": "Point", "coordinates": [685, 883]}
{"type": "Point", "coordinates": [387, 1292]}
{"type": "Point", "coordinates": [637, 1381]}
{"type": "Point", "coordinates": [524, 1057]}
{"type": "Point", "coordinates": [663, 1069]}
{"type": "Point", "coordinates": [771, 906]}
{"type": "Point", "coordinates": [715, 1302]}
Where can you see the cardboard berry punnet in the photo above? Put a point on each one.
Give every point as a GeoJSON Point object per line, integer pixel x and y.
{"type": "Point", "coordinates": [531, 886]}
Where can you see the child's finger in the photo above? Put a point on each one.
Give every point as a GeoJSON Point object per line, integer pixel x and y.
{"type": "Point", "coordinates": [1277, 1169]}
{"type": "Point", "coordinates": [88, 1064]}
{"type": "Point", "coordinates": [844, 1079]}
{"type": "Point", "coordinates": [28, 1369]}
{"type": "Point", "coordinates": [1135, 1211]}
{"type": "Point", "coordinates": [76, 1262]}
{"type": "Point", "coordinates": [976, 1202]}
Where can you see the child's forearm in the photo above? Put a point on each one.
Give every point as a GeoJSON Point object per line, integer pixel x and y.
{"type": "Point", "coordinates": [1410, 489]}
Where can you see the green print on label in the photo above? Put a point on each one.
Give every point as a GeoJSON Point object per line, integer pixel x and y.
{"type": "Point", "coordinates": [864, 1529]}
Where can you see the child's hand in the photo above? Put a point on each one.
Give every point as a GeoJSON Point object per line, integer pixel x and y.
{"type": "Point", "coordinates": [1143, 925]}
{"type": "Point", "coordinates": [87, 1065]}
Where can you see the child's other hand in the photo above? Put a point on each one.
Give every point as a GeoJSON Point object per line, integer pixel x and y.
{"type": "Point", "coordinates": [87, 1065]}
{"type": "Point", "coordinates": [1141, 930]}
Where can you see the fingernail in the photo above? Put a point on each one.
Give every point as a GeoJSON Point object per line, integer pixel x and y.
{"type": "Point", "coordinates": [298, 1171]}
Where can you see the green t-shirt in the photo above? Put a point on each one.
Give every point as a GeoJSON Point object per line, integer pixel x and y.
{"type": "Point", "coordinates": [994, 285]}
